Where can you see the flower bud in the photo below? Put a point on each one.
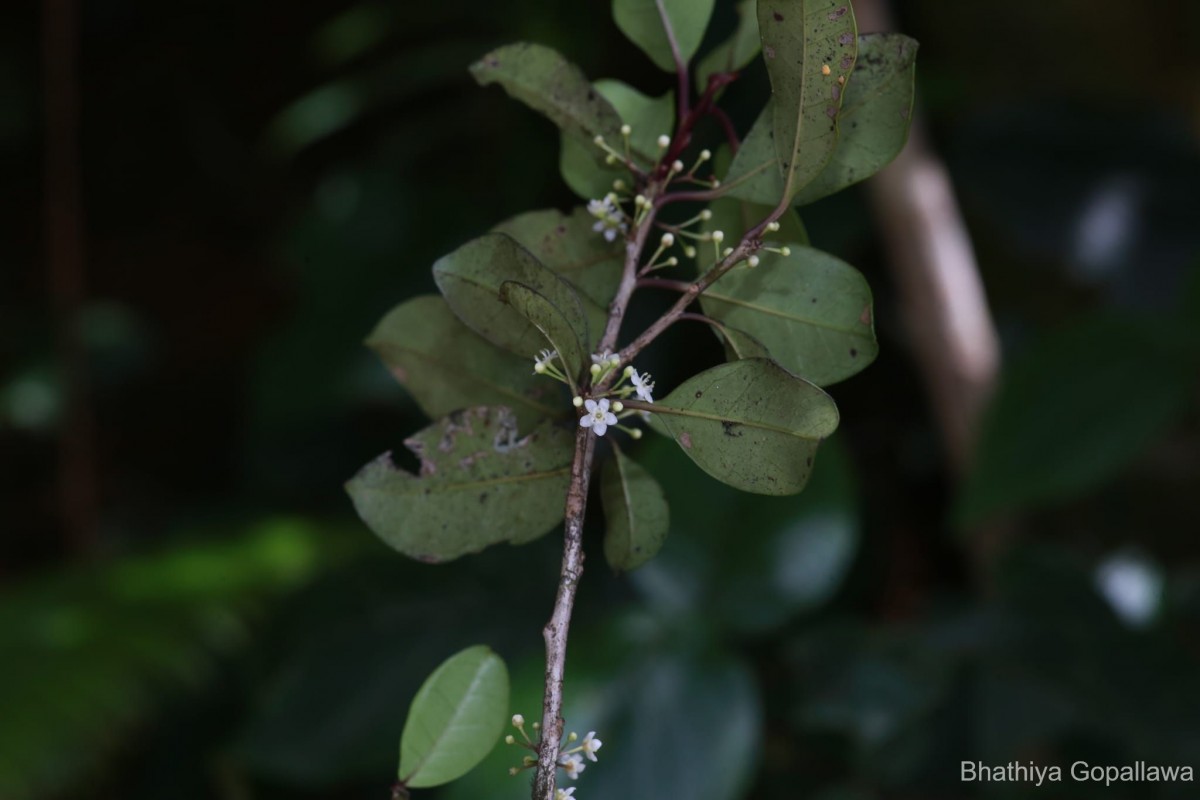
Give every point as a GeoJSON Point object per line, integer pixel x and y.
{"type": "Point", "coordinates": [705, 155]}
{"type": "Point", "coordinates": [752, 261]}
{"type": "Point", "coordinates": [577, 401]}
{"type": "Point", "coordinates": [677, 166]}
{"type": "Point", "coordinates": [706, 215]}
{"type": "Point", "coordinates": [785, 251]}
{"type": "Point", "coordinates": [626, 130]}
{"type": "Point", "coordinates": [595, 369]}
{"type": "Point", "coordinates": [668, 239]}
{"type": "Point", "coordinates": [664, 141]}
{"type": "Point", "coordinates": [718, 236]}
{"type": "Point", "coordinates": [635, 433]}
{"type": "Point", "coordinates": [617, 408]}
{"type": "Point", "coordinates": [518, 720]}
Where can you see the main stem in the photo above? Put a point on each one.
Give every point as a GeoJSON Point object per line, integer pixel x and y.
{"type": "Point", "coordinates": [555, 631]}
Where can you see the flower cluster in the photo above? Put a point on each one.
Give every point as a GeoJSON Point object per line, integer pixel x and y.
{"type": "Point", "coordinates": [610, 220]}
{"type": "Point", "coordinates": [571, 761]}
{"type": "Point", "coordinates": [605, 407]}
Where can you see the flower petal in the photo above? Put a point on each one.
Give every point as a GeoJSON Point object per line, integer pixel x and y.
{"type": "Point", "coordinates": [602, 425]}
{"type": "Point", "coordinates": [590, 404]}
{"type": "Point", "coordinates": [586, 421]}
{"type": "Point", "coordinates": [604, 404]}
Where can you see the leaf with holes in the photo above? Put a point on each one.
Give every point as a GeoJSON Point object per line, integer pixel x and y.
{"type": "Point", "coordinates": [811, 311]}
{"type": "Point", "coordinates": [582, 164]}
{"type": "Point", "coordinates": [875, 115]}
{"type": "Point", "coordinates": [635, 513]}
{"type": "Point", "coordinates": [456, 718]}
{"type": "Point", "coordinates": [652, 24]}
{"type": "Point", "coordinates": [548, 83]}
{"type": "Point", "coordinates": [749, 423]}
{"type": "Point", "coordinates": [567, 245]}
{"type": "Point", "coordinates": [478, 485]}
{"type": "Point", "coordinates": [470, 279]}
{"type": "Point", "coordinates": [807, 45]}
{"type": "Point", "coordinates": [447, 367]}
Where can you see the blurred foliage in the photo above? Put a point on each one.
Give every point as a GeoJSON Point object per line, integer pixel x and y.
{"type": "Point", "coordinates": [242, 239]}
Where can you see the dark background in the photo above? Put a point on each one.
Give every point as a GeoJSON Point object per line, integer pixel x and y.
{"type": "Point", "coordinates": [190, 609]}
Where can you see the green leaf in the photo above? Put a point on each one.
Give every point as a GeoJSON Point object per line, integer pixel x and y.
{"type": "Point", "coordinates": [557, 329]}
{"type": "Point", "coordinates": [810, 310]}
{"type": "Point", "coordinates": [645, 23]}
{"type": "Point", "coordinates": [546, 82]}
{"type": "Point", "coordinates": [455, 719]}
{"type": "Point", "coordinates": [568, 246]}
{"type": "Point", "coordinates": [635, 513]}
{"type": "Point", "coordinates": [735, 52]}
{"type": "Point", "coordinates": [582, 162]}
{"type": "Point", "coordinates": [1074, 409]}
{"type": "Point", "coordinates": [478, 485]}
{"type": "Point", "coordinates": [875, 116]}
{"type": "Point", "coordinates": [739, 344]}
{"type": "Point", "coordinates": [447, 367]}
{"type": "Point", "coordinates": [799, 38]}
{"type": "Point", "coordinates": [750, 424]}
{"type": "Point", "coordinates": [470, 279]}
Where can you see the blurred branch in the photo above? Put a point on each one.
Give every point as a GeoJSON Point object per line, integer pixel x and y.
{"type": "Point", "coordinates": [62, 196]}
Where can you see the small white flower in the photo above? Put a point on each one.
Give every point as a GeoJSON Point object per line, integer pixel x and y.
{"type": "Point", "coordinates": [598, 417]}
{"type": "Point", "coordinates": [643, 385]}
{"type": "Point", "coordinates": [573, 764]}
{"type": "Point", "coordinates": [590, 745]}
{"type": "Point", "coordinates": [602, 359]}
{"type": "Point", "coordinates": [543, 360]}
{"type": "Point", "coordinates": [608, 218]}
{"type": "Point", "coordinates": [565, 794]}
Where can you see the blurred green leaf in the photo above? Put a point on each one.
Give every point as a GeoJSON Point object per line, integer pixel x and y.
{"type": "Point", "coordinates": [87, 651]}
{"type": "Point", "coordinates": [755, 174]}
{"type": "Point", "coordinates": [735, 52]}
{"type": "Point", "coordinates": [645, 23]}
{"type": "Point", "coordinates": [471, 277]}
{"type": "Point", "coordinates": [635, 513]}
{"type": "Point", "coordinates": [447, 367]}
{"type": "Point", "coordinates": [479, 485]}
{"type": "Point", "coordinates": [800, 39]}
{"type": "Point", "coordinates": [1074, 409]}
{"type": "Point", "coordinates": [546, 82]}
{"type": "Point", "coordinates": [791, 556]}
{"type": "Point", "coordinates": [583, 164]}
{"type": "Point", "coordinates": [568, 246]}
{"type": "Point", "coordinates": [560, 332]}
{"type": "Point", "coordinates": [455, 719]}
{"type": "Point", "coordinates": [810, 310]}
{"type": "Point", "coordinates": [750, 424]}
{"type": "Point", "coordinates": [875, 115]}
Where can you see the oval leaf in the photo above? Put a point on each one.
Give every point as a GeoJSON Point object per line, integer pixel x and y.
{"type": "Point", "coordinates": [470, 279]}
{"type": "Point", "coordinates": [478, 485]}
{"type": "Point", "coordinates": [811, 311]}
{"type": "Point", "coordinates": [447, 367]}
{"type": "Point", "coordinates": [749, 423]}
{"type": "Point", "coordinates": [646, 23]}
{"type": "Point", "coordinates": [800, 39]}
{"type": "Point", "coordinates": [755, 174]}
{"type": "Point", "coordinates": [456, 718]}
{"type": "Point", "coordinates": [568, 246]}
{"type": "Point", "coordinates": [875, 115]}
{"type": "Point", "coordinates": [548, 83]}
{"type": "Point", "coordinates": [635, 513]}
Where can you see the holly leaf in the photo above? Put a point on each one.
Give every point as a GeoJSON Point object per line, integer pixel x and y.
{"type": "Point", "coordinates": [567, 245]}
{"type": "Point", "coordinates": [807, 45]}
{"type": "Point", "coordinates": [455, 719]}
{"type": "Point", "coordinates": [478, 485]}
{"type": "Point", "coordinates": [651, 24]}
{"type": "Point", "coordinates": [582, 164]}
{"type": "Point", "coordinates": [735, 52]}
{"type": "Point", "coordinates": [635, 513]}
{"type": "Point", "coordinates": [749, 423]}
{"type": "Point", "coordinates": [542, 79]}
{"type": "Point", "coordinates": [445, 366]}
{"type": "Point", "coordinates": [810, 310]}
{"type": "Point", "coordinates": [470, 279]}
{"type": "Point", "coordinates": [875, 114]}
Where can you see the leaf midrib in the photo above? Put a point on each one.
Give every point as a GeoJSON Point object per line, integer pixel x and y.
{"type": "Point", "coordinates": [454, 716]}
{"type": "Point", "coordinates": [775, 313]}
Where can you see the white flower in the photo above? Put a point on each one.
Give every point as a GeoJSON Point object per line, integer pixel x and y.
{"type": "Point", "coordinates": [602, 359]}
{"type": "Point", "coordinates": [573, 764]}
{"type": "Point", "coordinates": [643, 385]}
{"type": "Point", "coordinates": [598, 417]}
{"type": "Point", "coordinates": [590, 745]}
{"type": "Point", "coordinates": [609, 220]}
{"type": "Point", "coordinates": [565, 794]}
{"type": "Point", "coordinates": [543, 360]}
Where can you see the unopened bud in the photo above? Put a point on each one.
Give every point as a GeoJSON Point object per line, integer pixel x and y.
{"type": "Point", "coordinates": [617, 407]}
{"type": "Point", "coordinates": [677, 166]}
{"type": "Point", "coordinates": [664, 141]}
{"type": "Point", "coordinates": [626, 130]}
{"type": "Point", "coordinates": [635, 433]}
{"type": "Point", "coordinates": [728, 251]}
{"type": "Point", "coordinates": [576, 401]}
{"type": "Point", "coordinates": [610, 159]}
{"type": "Point", "coordinates": [672, 261]}
{"type": "Point", "coordinates": [598, 141]}
{"type": "Point", "coordinates": [705, 155]}
{"type": "Point", "coordinates": [539, 368]}
{"type": "Point", "coordinates": [509, 739]}
{"type": "Point", "coordinates": [785, 251]}
{"type": "Point", "coordinates": [773, 226]}
{"type": "Point", "coordinates": [572, 736]}
{"type": "Point", "coordinates": [706, 215]}
{"type": "Point", "coordinates": [689, 251]}
{"type": "Point", "coordinates": [752, 261]}
{"type": "Point", "coordinates": [718, 236]}
{"type": "Point", "coordinates": [619, 185]}
{"type": "Point", "coordinates": [628, 371]}
{"type": "Point", "coordinates": [518, 720]}
{"type": "Point", "coordinates": [595, 369]}
{"type": "Point", "coordinates": [668, 239]}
